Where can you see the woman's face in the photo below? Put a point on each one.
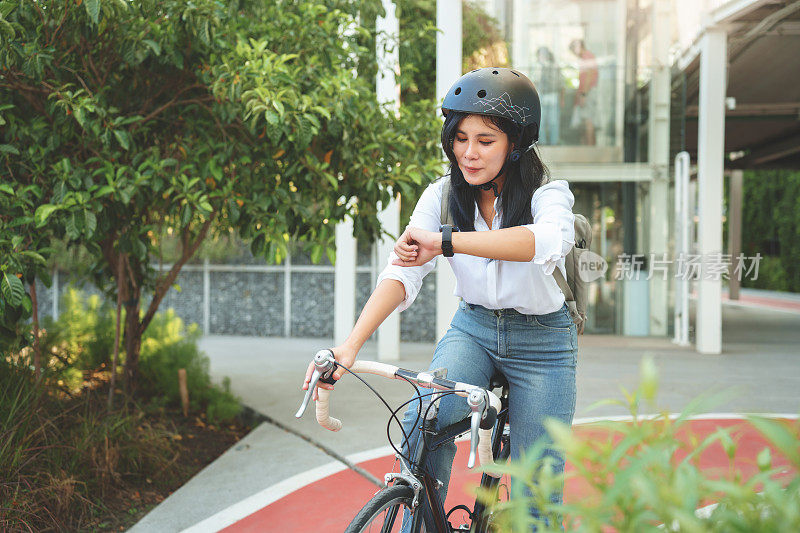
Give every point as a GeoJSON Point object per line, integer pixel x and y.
{"type": "Point", "coordinates": [480, 148]}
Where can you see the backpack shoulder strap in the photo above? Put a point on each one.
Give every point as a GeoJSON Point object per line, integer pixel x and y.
{"type": "Point", "coordinates": [562, 284]}
{"type": "Point", "coordinates": [445, 217]}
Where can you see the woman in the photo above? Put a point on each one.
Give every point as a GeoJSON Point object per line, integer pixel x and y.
{"type": "Point", "coordinates": [514, 229]}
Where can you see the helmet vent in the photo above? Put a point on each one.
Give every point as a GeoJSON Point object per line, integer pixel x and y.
{"type": "Point", "coordinates": [481, 93]}
{"type": "Point", "coordinates": [515, 74]}
{"type": "Point", "coordinates": [495, 72]}
{"type": "Point", "coordinates": [458, 90]}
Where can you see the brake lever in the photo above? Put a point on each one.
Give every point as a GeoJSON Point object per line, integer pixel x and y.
{"type": "Point", "coordinates": [324, 364]}
{"type": "Point", "coordinates": [477, 404]}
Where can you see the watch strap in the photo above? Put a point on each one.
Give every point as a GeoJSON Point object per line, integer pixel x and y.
{"type": "Point", "coordinates": [447, 240]}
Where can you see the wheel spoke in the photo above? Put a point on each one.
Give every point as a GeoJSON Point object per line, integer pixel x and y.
{"type": "Point", "coordinates": [391, 516]}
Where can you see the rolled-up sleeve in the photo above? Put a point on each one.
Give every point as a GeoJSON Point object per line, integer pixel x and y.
{"type": "Point", "coordinates": [553, 223]}
{"type": "Point", "coordinates": [426, 215]}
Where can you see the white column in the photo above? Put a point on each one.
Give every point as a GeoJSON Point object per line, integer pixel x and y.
{"type": "Point", "coordinates": [448, 70]}
{"type": "Point", "coordinates": [683, 224]}
{"type": "Point", "coordinates": [287, 296]}
{"type": "Point", "coordinates": [658, 156]}
{"type": "Point", "coordinates": [344, 296]}
{"type": "Point", "coordinates": [619, 75]}
{"type": "Point", "coordinates": [389, 92]}
{"type": "Point", "coordinates": [710, 167]}
{"type": "Point", "coordinates": [388, 52]}
{"type": "Point", "coordinates": [206, 298]}
{"type": "Point", "coordinates": [519, 55]}
{"type": "Point", "coordinates": [389, 332]}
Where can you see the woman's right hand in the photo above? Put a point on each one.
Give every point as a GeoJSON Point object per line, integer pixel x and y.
{"type": "Point", "coordinates": [345, 355]}
{"type": "Point", "coordinates": [405, 250]}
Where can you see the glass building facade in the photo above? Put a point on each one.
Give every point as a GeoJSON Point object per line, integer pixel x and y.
{"type": "Point", "coordinates": [590, 61]}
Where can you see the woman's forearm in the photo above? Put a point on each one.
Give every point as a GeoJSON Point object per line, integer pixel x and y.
{"type": "Point", "coordinates": [509, 244]}
{"type": "Point", "coordinates": [384, 299]}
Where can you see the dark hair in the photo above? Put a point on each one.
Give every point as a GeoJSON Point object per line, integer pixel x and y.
{"type": "Point", "coordinates": [522, 177]}
{"type": "Point", "coordinates": [547, 54]}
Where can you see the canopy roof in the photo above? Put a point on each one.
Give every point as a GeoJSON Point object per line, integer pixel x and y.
{"type": "Point", "coordinates": [762, 129]}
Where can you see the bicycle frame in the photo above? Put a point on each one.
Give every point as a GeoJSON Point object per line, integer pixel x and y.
{"type": "Point", "coordinates": [430, 439]}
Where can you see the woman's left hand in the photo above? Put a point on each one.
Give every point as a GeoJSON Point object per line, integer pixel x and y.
{"type": "Point", "coordinates": [426, 244]}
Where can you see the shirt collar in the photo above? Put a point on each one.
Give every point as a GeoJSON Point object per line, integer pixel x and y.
{"type": "Point", "coordinates": [498, 210]}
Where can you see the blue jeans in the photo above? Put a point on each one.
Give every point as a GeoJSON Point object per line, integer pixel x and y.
{"type": "Point", "coordinates": [536, 353]}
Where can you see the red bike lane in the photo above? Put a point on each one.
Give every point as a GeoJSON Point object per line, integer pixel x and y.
{"type": "Point", "coordinates": [330, 503]}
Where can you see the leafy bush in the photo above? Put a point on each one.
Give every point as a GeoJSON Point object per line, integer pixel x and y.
{"type": "Point", "coordinates": [640, 476]}
{"type": "Point", "coordinates": [771, 226]}
{"type": "Point", "coordinates": [81, 343]}
{"type": "Point", "coordinates": [222, 405]}
{"type": "Point", "coordinates": [83, 335]}
{"type": "Point", "coordinates": [167, 346]}
{"type": "Point", "coordinates": [771, 275]}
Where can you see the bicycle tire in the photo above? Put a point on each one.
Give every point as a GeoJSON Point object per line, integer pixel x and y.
{"type": "Point", "coordinates": [384, 512]}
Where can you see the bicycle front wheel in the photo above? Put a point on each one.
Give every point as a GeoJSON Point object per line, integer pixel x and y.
{"type": "Point", "coordinates": [384, 512]}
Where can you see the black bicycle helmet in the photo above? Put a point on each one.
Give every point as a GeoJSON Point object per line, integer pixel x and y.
{"type": "Point", "coordinates": [501, 92]}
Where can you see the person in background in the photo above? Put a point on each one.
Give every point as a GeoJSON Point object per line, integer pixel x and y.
{"type": "Point", "coordinates": [586, 98]}
{"type": "Point", "coordinates": [550, 88]}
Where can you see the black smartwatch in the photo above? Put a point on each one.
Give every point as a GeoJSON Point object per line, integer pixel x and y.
{"type": "Point", "coordinates": [447, 239]}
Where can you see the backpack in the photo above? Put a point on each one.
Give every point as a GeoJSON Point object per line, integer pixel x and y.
{"type": "Point", "coordinates": [574, 288]}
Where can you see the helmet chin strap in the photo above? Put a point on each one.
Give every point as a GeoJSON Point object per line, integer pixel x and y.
{"type": "Point", "coordinates": [491, 184]}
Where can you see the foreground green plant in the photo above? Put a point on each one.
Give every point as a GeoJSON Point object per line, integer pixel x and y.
{"type": "Point", "coordinates": [643, 476]}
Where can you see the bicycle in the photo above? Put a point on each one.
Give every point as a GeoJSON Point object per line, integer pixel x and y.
{"type": "Point", "coordinates": [412, 491]}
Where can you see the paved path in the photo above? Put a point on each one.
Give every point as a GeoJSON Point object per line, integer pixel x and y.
{"type": "Point", "coordinates": [760, 364]}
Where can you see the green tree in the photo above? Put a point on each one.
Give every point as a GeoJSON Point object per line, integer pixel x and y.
{"type": "Point", "coordinates": [771, 227]}
{"type": "Point", "coordinates": [136, 116]}
{"type": "Point", "coordinates": [481, 33]}
{"type": "Point", "coordinates": [483, 44]}
{"type": "Point", "coordinates": [417, 49]}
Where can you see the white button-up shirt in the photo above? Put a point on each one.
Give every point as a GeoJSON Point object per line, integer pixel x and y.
{"type": "Point", "coordinates": [528, 287]}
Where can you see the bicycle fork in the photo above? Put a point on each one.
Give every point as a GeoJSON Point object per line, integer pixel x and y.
{"type": "Point", "coordinates": [426, 500]}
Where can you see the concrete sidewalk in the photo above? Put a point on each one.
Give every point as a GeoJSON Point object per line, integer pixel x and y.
{"type": "Point", "coordinates": [760, 362]}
